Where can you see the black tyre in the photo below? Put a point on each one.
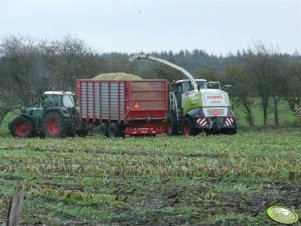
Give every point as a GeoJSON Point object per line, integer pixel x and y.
{"type": "Point", "coordinates": [171, 124]}
{"type": "Point", "coordinates": [21, 127]}
{"type": "Point", "coordinates": [82, 131]}
{"type": "Point", "coordinates": [115, 130]}
{"type": "Point", "coordinates": [104, 129]}
{"type": "Point", "coordinates": [188, 128]}
{"type": "Point", "coordinates": [54, 125]}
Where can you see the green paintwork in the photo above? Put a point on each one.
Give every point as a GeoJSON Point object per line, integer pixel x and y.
{"type": "Point", "coordinates": [192, 101]}
{"type": "Point", "coordinates": [34, 112]}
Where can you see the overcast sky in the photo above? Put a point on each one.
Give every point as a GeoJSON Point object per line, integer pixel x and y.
{"type": "Point", "coordinates": [218, 27]}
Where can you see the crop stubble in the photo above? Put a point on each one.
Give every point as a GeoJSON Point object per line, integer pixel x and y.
{"type": "Point", "coordinates": [208, 180]}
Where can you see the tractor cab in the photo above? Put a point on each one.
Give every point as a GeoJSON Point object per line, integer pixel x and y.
{"type": "Point", "coordinates": [58, 99]}
{"type": "Point", "coordinates": [214, 85]}
{"type": "Point", "coordinates": [183, 87]}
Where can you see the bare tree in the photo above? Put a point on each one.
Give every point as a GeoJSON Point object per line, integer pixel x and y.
{"type": "Point", "coordinates": [242, 90]}
{"type": "Point", "coordinates": [16, 63]}
{"type": "Point", "coordinates": [293, 94]}
{"type": "Point", "coordinates": [74, 60]}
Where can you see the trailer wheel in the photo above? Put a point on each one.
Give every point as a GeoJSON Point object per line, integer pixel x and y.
{"type": "Point", "coordinates": [104, 129]}
{"type": "Point", "coordinates": [54, 125]}
{"type": "Point", "coordinates": [115, 130]}
{"type": "Point", "coordinates": [171, 124]}
{"type": "Point", "coordinates": [21, 127]}
{"type": "Point", "coordinates": [188, 128]}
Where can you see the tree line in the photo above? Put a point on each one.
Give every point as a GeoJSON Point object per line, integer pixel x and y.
{"type": "Point", "coordinates": [28, 68]}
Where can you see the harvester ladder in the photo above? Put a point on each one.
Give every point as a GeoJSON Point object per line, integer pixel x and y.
{"type": "Point", "coordinates": [173, 102]}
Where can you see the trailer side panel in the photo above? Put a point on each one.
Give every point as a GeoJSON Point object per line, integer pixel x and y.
{"type": "Point", "coordinates": [101, 100]}
{"type": "Point", "coordinates": [138, 106]}
{"type": "Point", "coordinates": [147, 98]}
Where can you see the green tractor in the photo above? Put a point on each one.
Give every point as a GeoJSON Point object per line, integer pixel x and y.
{"type": "Point", "coordinates": [58, 116]}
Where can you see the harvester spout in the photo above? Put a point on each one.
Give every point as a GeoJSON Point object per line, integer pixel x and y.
{"type": "Point", "coordinates": [148, 57]}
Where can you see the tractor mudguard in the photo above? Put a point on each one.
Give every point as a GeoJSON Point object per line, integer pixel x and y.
{"type": "Point", "coordinates": [193, 113]}
{"type": "Point", "coordinates": [31, 119]}
{"type": "Point", "coordinates": [61, 110]}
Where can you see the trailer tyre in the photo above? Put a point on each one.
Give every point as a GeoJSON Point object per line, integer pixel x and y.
{"type": "Point", "coordinates": [21, 127]}
{"type": "Point", "coordinates": [104, 129]}
{"type": "Point", "coordinates": [115, 130]}
{"type": "Point", "coordinates": [54, 125]}
{"type": "Point", "coordinates": [188, 128]}
{"type": "Point", "coordinates": [171, 124]}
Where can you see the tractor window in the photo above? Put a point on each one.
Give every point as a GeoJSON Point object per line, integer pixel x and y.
{"type": "Point", "coordinates": [201, 84]}
{"type": "Point", "coordinates": [52, 101]}
{"type": "Point", "coordinates": [68, 101]}
{"type": "Point", "coordinates": [186, 87]}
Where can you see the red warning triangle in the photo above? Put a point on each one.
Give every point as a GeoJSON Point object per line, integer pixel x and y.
{"type": "Point", "coordinates": [136, 105]}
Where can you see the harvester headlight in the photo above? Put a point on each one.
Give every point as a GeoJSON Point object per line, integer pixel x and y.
{"type": "Point", "coordinates": [215, 112]}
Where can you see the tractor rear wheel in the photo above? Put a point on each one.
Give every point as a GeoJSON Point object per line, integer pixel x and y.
{"type": "Point", "coordinates": [115, 130]}
{"type": "Point", "coordinates": [21, 127]}
{"type": "Point", "coordinates": [171, 124]}
{"type": "Point", "coordinates": [188, 128]}
{"type": "Point", "coordinates": [104, 129]}
{"type": "Point", "coordinates": [54, 125]}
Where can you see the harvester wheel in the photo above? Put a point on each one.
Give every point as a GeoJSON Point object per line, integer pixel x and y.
{"type": "Point", "coordinates": [188, 128]}
{"type": "Point", "coordinates": [115, 130]}
{"type": "Point", "coordinates": [54, 125]}
{"type": "Point", "coordinates": [104, 129]}
{"type": "Point", "coordinates": [21, 127]}
{"type": "Point", "coordinates": [171, 124]}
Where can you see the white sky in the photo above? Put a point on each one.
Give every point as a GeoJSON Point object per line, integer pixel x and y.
{"type": "Point", "coordinates": [218, 27]}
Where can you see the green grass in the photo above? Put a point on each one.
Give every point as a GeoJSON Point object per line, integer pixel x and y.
{"type": "Point", "coordinates": [4, 126]}
{"type": "Point", "coordinates": [207, 180]}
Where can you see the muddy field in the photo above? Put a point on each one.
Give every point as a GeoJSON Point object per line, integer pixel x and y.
{"type": "Point", "coordinates": [203, 180]}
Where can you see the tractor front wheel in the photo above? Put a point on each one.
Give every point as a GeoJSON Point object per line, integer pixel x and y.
{"type": "Point", "coordinates": [54, 125]}
{"type": "Point", "coordinates": [171, 124]}
{"type": "Point", "coordinates": [21, 127]}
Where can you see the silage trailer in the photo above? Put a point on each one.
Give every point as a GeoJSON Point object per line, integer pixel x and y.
{"type": "Point", "coordinates": [123, 107]}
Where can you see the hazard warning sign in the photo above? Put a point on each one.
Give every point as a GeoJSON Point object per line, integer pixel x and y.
{"type": "Point", "coordinates": [136, 105]}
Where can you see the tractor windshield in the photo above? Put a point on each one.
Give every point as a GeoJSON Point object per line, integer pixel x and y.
{"type": "Point", "coordinates": [68, 101]}
{"type": "Point", "coordinates": [201, 84]}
